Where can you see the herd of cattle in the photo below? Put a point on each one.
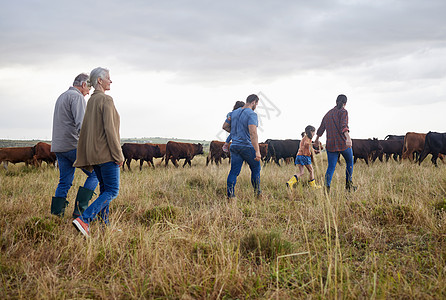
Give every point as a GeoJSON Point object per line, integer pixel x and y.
{"type": "Point", "coordinates": [412, 146]}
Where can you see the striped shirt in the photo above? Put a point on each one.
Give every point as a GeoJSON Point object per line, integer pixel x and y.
{"type": "Point", "coordinates": [335, 122]}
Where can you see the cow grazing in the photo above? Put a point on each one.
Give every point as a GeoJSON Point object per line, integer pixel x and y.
{"type": "Point", "coordinates": [42, 152]}
{"type": "Point", "coordinates": [363, 148]}
{"type": "Point", "coordinates": [278, 149]}
{"type": "Point", "coordinates": [390, 147]}
{"type": "Point", "coordinates": [16, 155]}
{"type": "Point", "coordinates": [435, 144]}
{"type": "Point", "coordinates": [176, 151]}
{"type": "Point", "coordinates": [216, 153]}
{"type": "Point", "coordinates": [141, 152]}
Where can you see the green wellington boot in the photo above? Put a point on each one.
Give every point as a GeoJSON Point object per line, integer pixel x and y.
{"type": "Point", "coordinates": [82, 198]}
{"type": "Point", "coordinates": [58, 206]}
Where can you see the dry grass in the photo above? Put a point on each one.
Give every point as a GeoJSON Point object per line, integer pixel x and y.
{"type": "Point", "coordinates": [181, 238]}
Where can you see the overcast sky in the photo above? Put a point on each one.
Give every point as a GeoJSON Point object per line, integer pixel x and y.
{"type": "Point", "coordinates": [179, 66]}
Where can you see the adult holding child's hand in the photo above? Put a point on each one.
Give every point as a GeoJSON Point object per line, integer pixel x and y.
{"type": "Point", "coordinates": [335, 122]}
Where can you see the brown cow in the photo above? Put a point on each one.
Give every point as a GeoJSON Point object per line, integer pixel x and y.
{"type": "Point", "coordinates": [216, 153]}
{"type": "Point", "coordinates": [413, 143]}
{"type": "Point", "coordinates": [143, 152]}
{"type": "Point", "coordinates": [263, 150]}
{"type": "Point", "coordinates": [162, 152]}
{"type": "Point", "coordinates": [43, 153]}
{"type": "Point", "coordinates": [176, 151]}
{"type": "Point", "coordinates": [16, 154]}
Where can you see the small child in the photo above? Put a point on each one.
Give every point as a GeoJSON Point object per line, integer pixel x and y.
{"type": "Point", "coordinates": [303, 158]}
{"type": "Point", "coordinates": [237, 104]}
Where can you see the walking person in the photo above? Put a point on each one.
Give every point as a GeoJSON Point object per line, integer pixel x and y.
{"type": "Point", "coordinates": [68, 115]}
{"type": "Point", "coordinates": [335, 122]}
{"type": "Point", "coordinates": [245, 146]}
{"type": "Point", "coordinates": [99, 148]}
{"type": "Point", "coordinates": [303, 159]}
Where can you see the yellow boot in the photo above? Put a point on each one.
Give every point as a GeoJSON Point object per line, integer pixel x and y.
{"type": "Point", "coordinates": [290, 183]}
{"type": "Point", "coordinates": [313, 184]}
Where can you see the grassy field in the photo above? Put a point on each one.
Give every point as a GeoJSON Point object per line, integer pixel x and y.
{"type": "Point", "coordinates": [182, 239]}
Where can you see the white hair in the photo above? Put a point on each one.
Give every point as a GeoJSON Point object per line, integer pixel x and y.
{"type": "Point", "coordinates": [83, 77]}
{"type": "Point", "coordinates": [96, 73]}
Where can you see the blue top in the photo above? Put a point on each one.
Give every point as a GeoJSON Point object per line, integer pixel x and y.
{"type": "Point", "coordinates": [240, 119]}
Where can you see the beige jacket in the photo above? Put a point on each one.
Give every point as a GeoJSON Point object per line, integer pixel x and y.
{"type": "Point", "coordinates": [99, 139]}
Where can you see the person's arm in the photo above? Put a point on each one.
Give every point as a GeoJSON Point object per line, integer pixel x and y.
{"type": "Point", "coordinates": [112, 132]}
{"type": "Point", "coordinates": [78, 111]}
{"type": "Point", "coordinates": [320, 131]}
{"type": "Point", "coordinates": [316, 141]}
{"type": "Point", "coordinates": [348, 140]}
{"type": "Point", "coordinates": [255, 141]}
{"type": "Point", "coordinates": [345, 129]}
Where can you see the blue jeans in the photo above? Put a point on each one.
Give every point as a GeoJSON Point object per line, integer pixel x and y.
{"type": "Point", "coordinates": [65, 161]}
{"type": "Point", "coordinates": [332, 161]}
{"type": "Point", "coordinates": [240, 154]}
{"type": "Point", "coordinates": [108, 175]}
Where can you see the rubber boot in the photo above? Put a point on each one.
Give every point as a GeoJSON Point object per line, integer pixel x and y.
{"type": "Point", "coordinates": [82, 198]}
{"type": "Point", "coordinates": [58, 206]}
{"type": "Point", "coordinates": [290, 183]}
{"type": "Point", "coordinates": [349, 186]}
{"type": "Point", "coordinates": [313, 184]}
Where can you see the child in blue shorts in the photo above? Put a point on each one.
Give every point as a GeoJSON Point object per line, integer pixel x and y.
{"type": "Point", "coordinates": [303, 158]}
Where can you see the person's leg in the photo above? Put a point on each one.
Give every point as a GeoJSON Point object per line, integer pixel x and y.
{"type": "Point", "coordinates": [85, 193]}
{"type": "Point", "coordinates": [66, 172]}
{"type": "Point", "coordinates": [103, 214]}
{"type": "Point", "coordinates": [236, 166]}
{"type": "Point", "coordinates": [249, 155]}
{"type": "Point", "coordinates": [108, 175]}
{"type": "Point", "coordinates": [332, 160]}
{"type": "Point", "coordinates": [66, 175]}
{"type": "Point", "coordinates": [312, 181]}
{"type": "Point", "coordinates": [348, 156]}
{"type": "Point", "coordinates": [92, 180]}
{"type": "Point", "coordinates": [301, 171]}
{"type": "Point", "coordinates": [310, 170]}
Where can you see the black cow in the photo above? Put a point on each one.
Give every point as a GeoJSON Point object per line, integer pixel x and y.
{"type": "Point", "coordinates": [364, 148]}
{"type": "Point", "coordinates": [392, 137]}
{"type": "Point", "coordinates": [390, 147]}
{"type": "Point", "coordinates": [435, 144]}
{"type": "Point", "coordinates": [279, 149]}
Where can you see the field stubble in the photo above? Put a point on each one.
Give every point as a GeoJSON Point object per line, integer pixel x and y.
{"type": "Point", "coordinates": [181, 237]}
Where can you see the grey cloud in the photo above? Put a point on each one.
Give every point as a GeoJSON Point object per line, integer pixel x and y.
{"type": "Point", "coordinates": [215, 40]}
